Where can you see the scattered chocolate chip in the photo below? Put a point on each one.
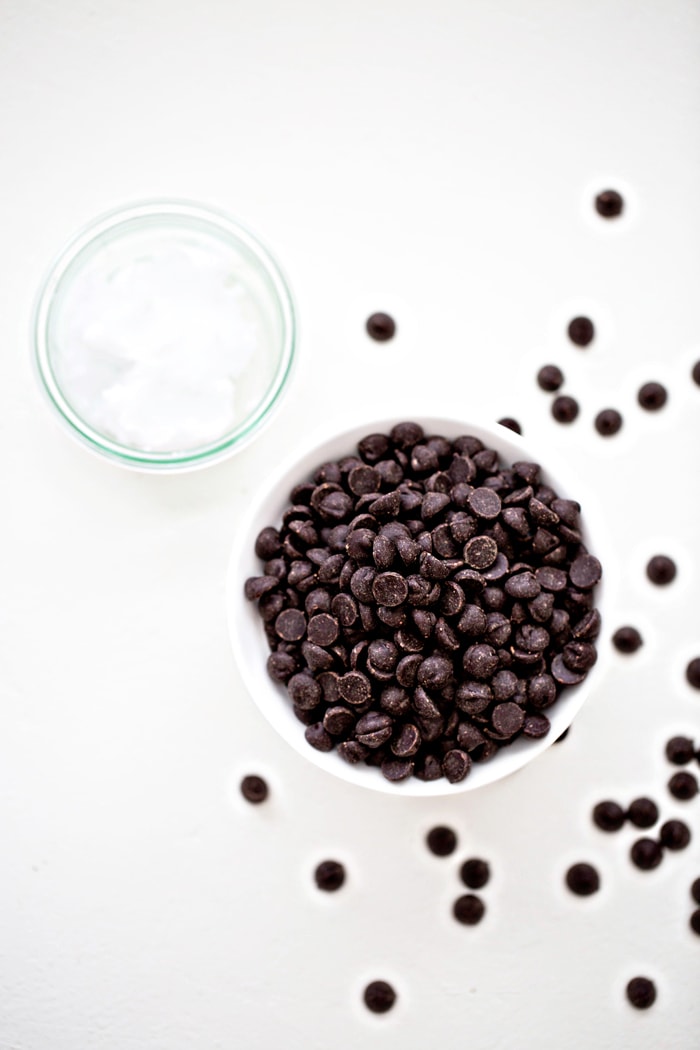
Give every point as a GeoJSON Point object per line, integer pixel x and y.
{"type": "Point", "coordinates": [381, 327]}
{"type": "Point", "coordinates": [641, 992]}
{"type": "Point", "coordinates": [696, 373]}
{"type": "Point", "coordinates": [661, 569]}
{"type": "Point", "coordinates": [683, 786]}
{"type": "Point", "coordinates": [692, 673]}
{"type": "Point", "coordinates": [329, 875]}
{"type": "Point", "coordinates": [646, 854]}
{"type": "Point", "coordinates": [680, 750]}
{"type": "Point", "coordinates": [475, 873]}
{"type": "Point", "coordinates": [652, 396]}
{"type": "Point", "coordinates": [643, 813]}
{"type": "Point", "coordinates": [511, 424]}
{"type": "Point", "coordinates": [565, 409]}
{"type": "Point", "coordinates": [468, 909]}
{"type": "Point", "coordinates": [609, 204]}
{"type": "Point", "coordinates": [550, 378]}
{"type": "Point", "coordinates": [627, 639]}
{"type": "Point", "coordinates": [695, 891]}
{"type": "Point", "coordinates": [674, 835]}
{"type": "Point", "coordinates": [608, 816]}
{"type": "Point", "coordinates": [581, 331]}
{"type": "Point", "coordinates": [695, 921]}
{"type": "Point", "coordinates": [441, 841]}
{"type": "Point", "coordinates": [583, 879]}
{"type": "Point", "coordinates": [379, 997]}
{"type": "Point", "coordinates": [608, 422]}
{"type": "Point", "coordinates": [254, 789]}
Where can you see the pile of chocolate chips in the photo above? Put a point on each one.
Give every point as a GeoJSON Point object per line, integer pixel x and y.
{"type": "Point", "coordinates": [425, 604]}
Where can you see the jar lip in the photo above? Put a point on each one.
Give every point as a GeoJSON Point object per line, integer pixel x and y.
{"type": "Point", "coordinates": [163, 212]}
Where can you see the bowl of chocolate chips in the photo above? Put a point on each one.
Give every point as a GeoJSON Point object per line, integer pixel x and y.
{"type": "Point", "coordinates": [414, 605]}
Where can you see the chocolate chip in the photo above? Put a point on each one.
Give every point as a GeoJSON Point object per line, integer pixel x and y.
{"type": "Point", "coordinates": [290, 625]}
{"type": "Point", "coordinates": [608, 816]}
{"type": "Point", "coordinates": [435, 672]}
{"type": "Point", "coordinates": [469, 909]}
{"type": "Point", "coordinates": [433, 504]}
{"type": "Point", "coordinates": [511, 424]}
{"type": "Point", "coordinates": [608, 422]}
{"type": "Point", "coordinates": [319, 737]}
{"type": "Point", "coordinates": [441, 841]}
{"type": "Point", "coordinates": [641, 992]}
{"type": "Point", "coordinates": [485, 503]}
{"type": "Point", "coordinates": [536, 726]}
{"type": "Point", "coordinates": [353, 752]}
{"type": "Point", "coordinates": [581, 331]}
{"type": "Point", "coordinates": [257, 586]}
{"type": "Point", "coordinates": [374, 729]}
{"type": "Point", "coordinates": [475, 873]}
{"type": "Point", "coordinates": [646, 854]}
{"type": "Point", "coordinates": [695, 373]}
{"type": "Point", "coordinates": [565, 409]}
{"type": "Point", "coordinates": [579, 656]}
{"type": "Point", "coordinates": [254, 789]}
{"type": "Point", "coordinates": [507, 719]}
{"type": "Point", "coordinates": [407, 741]}
{"type": "Point", "coordinates": [692, 673]}
{"type": "Point", "coordinates": [304, 691]}
{"type": "Point", "coordinates": [550, 378]}
{"type": "Point", "coordinates": [627, 639]}
{"type": "Point", "coordinates": [406, 435]}
{"type": "Point", "coordinates": [480, 552]}
{"type": "Point", "coordinates": [585, 572]}
{"type": "Point", "coordinates": [680, 750]}
{"type": "Point", "coordinates": [652, 396]}
{"type": "Point", "coordinates": [695, 921]}
{"type": "Point", "coordinates": [322, 629]}
{"type": "Point", "coordinates": [551, 578]}
{"type": "Point", "coordinates": [695, 891]}
{"type": "Point", "coordinates": [683, 786]}
{"type": "Point", "coordinates": [563, 674]}
{"type": "Point", "coordinates": [338, 720]}
{"type": "Point", "coordinates": [609, 204]}
{"type": "Point", "coordinates": [643, 813]}
{"type": "Point", "coordinates": [386, 506]}
{"type": "Point", "coordinates": [480, 661]}
{"type": "Point", "coordinates": [395, 769]}
{"type": "Point", "coordinates": [583, 879]}
{"type": "Point", "coordinates": [661, 569]}
{"type": "Point", "coordinates": [456, 765]}
{"type": "Point", "coordinates": [542, 691]}
{"type": "Point", "coordinates": [354, 687]}
{"type": "Point", "coordinates": [329, 875]}
{"type": "Point", "coordinates": [674, 835]}
{"type": "Point", "coordinates": [280, 666]}
{"type": "Point", "coordinates": [379, 997]}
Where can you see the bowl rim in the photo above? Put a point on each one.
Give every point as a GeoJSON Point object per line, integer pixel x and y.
{"type": "Point", "coordinates": [246, 631]}
{"type": "Point", "coordinates": [167, 211]}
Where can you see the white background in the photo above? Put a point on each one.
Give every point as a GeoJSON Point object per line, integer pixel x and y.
{"type": "Point", "coordinates": [437, 161]}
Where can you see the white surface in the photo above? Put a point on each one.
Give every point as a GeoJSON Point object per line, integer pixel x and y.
{"type": "Point", "coordinates": [251, 648]}
{"type": "Point", "coordinates": [436, 161]}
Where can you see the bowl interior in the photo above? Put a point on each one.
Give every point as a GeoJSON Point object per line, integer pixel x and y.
{"type": "Point", "coordinates": [168, 277]}
{"type": "Point", "coordinates": [250, 644]}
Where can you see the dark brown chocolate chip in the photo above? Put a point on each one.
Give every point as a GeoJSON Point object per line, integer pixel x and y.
{"type": "Point", "coordinates": [319, 737]}
{"type": "Point", "coordinates": [646, 854]}
{"type": "Point", "coordinates": [680, 750]}
{"type": "Point", "coordinates": [456, 765]}
{"type": "Point", "coordinates": [695, 373]}
{"type": "Point", "coordinates": [407, 741]}
{"type": "Point", "coordinates": [267, 544]}
{"type": "Point", "coordinates": [652, 396]}
{"type": "Point", "coordinates": [661, 570]}
{"type": "Point", "coordinates": [254, 789]}
{"type": "Point", "coordinates": [485, 503]}
{"type": "Point", "coordinates": [565, 409]}
{"type": "Point", "coordinates": [643, 813]}
{"type": "Point", "coordinates": [322, 629]}
{"type": "Point", "coordinates": [674, 835]}
{"type": "Point", "coordinates": [379, 997]}
{"type": "Point", "coordinates": [608, 422]}
{"type": "Point", "coordinates": [585, 572]}
{"type": "Point", "coordinates": [579, 656]}
{"type": "Point", "coordinates": [695, 891]}
{"type": "Point", "coordinates": [550, 378]}
{"type": "Point", "coordinates": [338, 720]}
{"type": "Point", "coordinates": [507, 719]}
{"type": "Point", "coordinates": [480, 552]}
{"type": "Point", "coordinates": [581, 331]}
{"type": "Point", "coordinates": [469, 909]}
{"type": "Point", "coordinates": [523, 586]}
{"type": "Point", "coordinates": [475, 873]}
{"type": "Point", "coordinates": [609, 204]}
{"type": "Point", "coordinates": [480, 661]}
{"type": "Point", "coordinates": [290, 625]}
{"type": "Point", "coordinates": [641, 993]}
{"type": "Point", "coordinates": [354, 687]}
{"type": "Point", "coordinates": [441, 841]}
{"type": "Point", "coordinates": [395, 769]}
{"type": "Point", "coordinates": [692, 673]}
{"type": "Point", "coordinates": [536, 726]}
{"type": "Point", "coordinates": [406, 435]}
{"type": "Point", "coordinates": [433, 504]}
{"type": "Point", "coordinates": [363, 479]}
{"type": "Point", "coordinates": [329, 875]}
{"type": "Point", "coordinates": [305, 691]}
{"type": "Point", "coordinates": [609, 816]}
{"type": "Point", "coordinates": [374, 729]}
{"type": "Point", "coordinates": [435, 672]}
{"type": "Point", "coordinates": [583, 879]}
{"type": "Point", "coordinates": [683, 786]}
{"type": "Point", "coordinates": [257, 586]}
{"type": "Point", "coordinates": [281, 666]}
{"type": "Point", "coordinates": [551, 578]}
{"type": "Point", "coordinates": [511, 424]}
{"type": "Point", "coordinates": [353, 752]}
{"type": "Point", "coordinates": [627, 640]}
{"type": "Point", "coordinates": [563, 674]}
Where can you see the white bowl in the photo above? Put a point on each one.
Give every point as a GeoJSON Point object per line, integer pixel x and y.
{"type": "Point", "coordinates": [250, 644]}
